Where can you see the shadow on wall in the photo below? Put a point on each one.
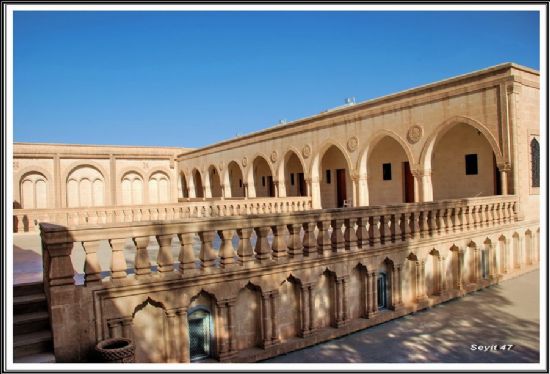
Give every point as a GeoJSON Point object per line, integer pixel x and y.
{"type": "Point", "coordinates": [443, 334]}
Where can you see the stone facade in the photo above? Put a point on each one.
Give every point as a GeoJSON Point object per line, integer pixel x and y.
{"type": "Point", "coordinates": [252, 255]}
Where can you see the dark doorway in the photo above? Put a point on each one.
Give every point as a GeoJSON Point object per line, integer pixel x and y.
{"type": "Point", "coordinates": [270, 189]}
{"type": "Point", "coordinates": [382, 291]}
{"type": "Point", "coordinates": [498, 182]}
{"type": "Point", "coordinates": [340, 187]}
{"type": "Point", "coordinates": [199, 334]}
{"type": "Point", "coordinates": [301, 185]}
{"type": "Point", "coordinates": [408, 183]}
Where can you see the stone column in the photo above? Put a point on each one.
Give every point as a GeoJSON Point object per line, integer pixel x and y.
{"type": "Point", "coordinates": [223, 334]}
{"type": "Point", "coordinates": [504, 171]}
{"type": "Point", "coordinates": [374, 285]}
{"type": "Point", "coordinates": [341, 302]}
{"type": "Point", "coordinates": [312, 327]}
{"type": "Point", "coordinates": [275, 318]}
{"type": "Point", "coordinates": [363, 191]}
{"type": "Point", "coordinates": [399, 286]}
{"type": "Point", "coordinates": [245, 188]}
{"type": "Point", "coordinates": [423, 179]}
{"type": "Point", "coordinates": [184, 335]}
{"type": "Point", "coordinates": [315, 193]}
{"type": "Point", "coordinates": [266, 320]}
{"type": "Point", "coordinates": [304, 303]}
{"type": "Point", "coordinates": [231, 326]}
{"type": "Point", "coordinates": [171, 344]}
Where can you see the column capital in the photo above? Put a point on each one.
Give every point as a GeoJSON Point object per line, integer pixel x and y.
{"type": "Point", "coordinates": [505, 167]}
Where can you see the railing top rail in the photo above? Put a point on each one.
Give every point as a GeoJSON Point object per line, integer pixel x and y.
{"type": "Point", "coordinates": [61, 234]}
{"type": "Point", "coordinates": [191, 203]}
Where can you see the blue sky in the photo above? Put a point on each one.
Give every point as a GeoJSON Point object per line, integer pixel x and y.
{"type": "Point", "coordinates": [194, 78]}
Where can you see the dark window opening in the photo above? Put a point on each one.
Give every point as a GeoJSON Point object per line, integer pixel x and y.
{"type": "Point", "coordinates": [291, 179]}
{"type": "Point", "coordinates": [382, 289]}
{"type": "Point", "coordinates": [386, 172]}
{"type": "Point", "coordinates": [328, 176]}
{"type": "Point", "coordinates": [240, 182]}
{"type": "Point", "coordinates": [263, 181]}
{"type": "Point", "coordinates": [471, 164]}
{"type": "Point", "coordinates": [535, 163]}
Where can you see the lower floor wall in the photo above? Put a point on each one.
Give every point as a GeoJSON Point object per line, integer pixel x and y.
{"type": "Point", "coordinates": [249, 315]}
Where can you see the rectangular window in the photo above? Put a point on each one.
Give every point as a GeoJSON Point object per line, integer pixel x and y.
{"type": "Point", "coordinates": [263, 181]}
{"type": "Point", "coordinates": [292, 179]}
{"type": "Point", "coordinates": [471, 164]}
{"type": "Point", "coordinates": [386, 172]}
{"type": "Point", "coordinates": [240, 183]}
{"type": "Point", "coordinates": [328, 176]}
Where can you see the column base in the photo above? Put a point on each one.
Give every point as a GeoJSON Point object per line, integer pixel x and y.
{"type": "Point", "coordinates": [227, 356]}
{"type": "Point", "coordinates": [342, 323]}
{"type": "Point", "coordinates": [305, 334]}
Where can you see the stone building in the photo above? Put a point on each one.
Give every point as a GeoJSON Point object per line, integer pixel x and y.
{"type": "Point", "coordinates": [292, 235]}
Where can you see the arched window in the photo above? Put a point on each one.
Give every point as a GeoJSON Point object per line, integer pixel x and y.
{"type": "Point", "coordinates": [34, 192]}
{"type": "Point", "coordinates": [535, 163]}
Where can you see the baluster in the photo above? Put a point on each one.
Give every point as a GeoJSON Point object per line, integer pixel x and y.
{"type": "Point", "coordinates": [374, 230]}
{"type": "Point", "coordinates": [447, 220]}
{"type": "Point", "coordinates": [482, 215]}
{"type": "Point", "coordinates": [263, 251]}
{"type": "Point", "coordinates": [165, 260]}
{"type": "Point", "coordinates": [142, 262]}
{"type": "Point", "coordinates": [393, 221]}
{"type": "Point", "coordinates": [187, 254]}
{"type": "Point", "coordinates": [323, 238]}
{"type": "Point", "coordinates": [207, 254]}
{"type": "Point", "coordinates": [492, 214]}
{"type": "Point", "coordinates": [279, 244]}
{"type": "Point", "coordinates": [227, 252]}
{"type": "Point", "coordinates": [432, 222]}
{"type": "Point", "coordinates": [92, 270]}
{"type": "Point", "coordinates": [309, 241]}
{"type": "Point", "coordinates": [423, 220]}
{"type": "Point", "coordinates": [350, 236]}
{"type": "Point", "coordinates": [337, 238]}
{"type": "Point", "coordinates": [385, 229]}
{"type": "Point", "coordinates": [295, 248]}
{"type": "Point", "coordinates": [118, 261]}
{"type": "Point", "coordinates": [245, 252]}
{"type": "Point", "coordinates": [362, 233]}
{"type": "Point", "coordinates": [415, 217]}
{"type": "Point", "coordinates": [440, 221]}
{"type": "Point", "coordinates": [405, 226]}
{"type": "Point", "coordinates": [473, 223]}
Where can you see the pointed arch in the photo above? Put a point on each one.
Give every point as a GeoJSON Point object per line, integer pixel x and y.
{"type": "Point", "coordinates": [441, 129]}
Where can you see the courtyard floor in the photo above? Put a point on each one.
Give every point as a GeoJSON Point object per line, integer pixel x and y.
{"type": "Point", "coordinates": [504, 314]}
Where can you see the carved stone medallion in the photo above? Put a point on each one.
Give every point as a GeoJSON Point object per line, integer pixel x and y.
{"type": "Point", "coordinates": [415, 134]}
{"type": "Point", "coordinates": [245, 161]}
{"type": "Point", "coordinates": [353, 142]}
{"type": "Point", "coordinates": [306, 151]}
{"type": "Point", "coordinates": [274, 156]}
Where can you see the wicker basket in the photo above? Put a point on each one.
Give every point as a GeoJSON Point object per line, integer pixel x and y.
{"type": "Point", "coordinates": [116, 350]}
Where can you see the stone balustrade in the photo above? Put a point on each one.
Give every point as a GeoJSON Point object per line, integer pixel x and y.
{"type": "Point", "coordinates": [25, 220]}
{"type": "Point", "coordinates": [280, 238]}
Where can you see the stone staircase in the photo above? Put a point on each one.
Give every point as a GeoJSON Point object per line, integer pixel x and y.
{"type": "Point", "coordinates": [32, 336]}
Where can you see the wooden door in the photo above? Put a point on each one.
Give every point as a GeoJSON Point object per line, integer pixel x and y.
{"type": "Point", "coordinates": [340, 187]}
{"type": "Point", "coordinates": [408, 183]}
{"type": "Point", "coordinates": [301, 185]}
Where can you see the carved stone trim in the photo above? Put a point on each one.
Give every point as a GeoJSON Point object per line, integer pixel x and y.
{"type": "Point", "coordinates": [245, 161]}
